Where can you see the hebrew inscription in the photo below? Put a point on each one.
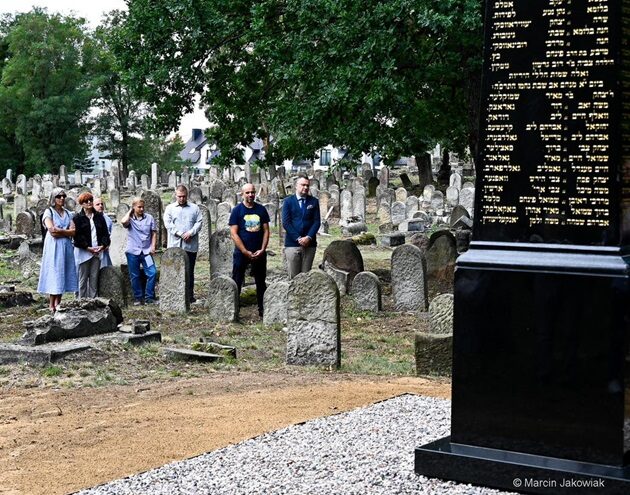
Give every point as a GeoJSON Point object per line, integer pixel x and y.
{"type": "Point", "coordinates": [551, 161]}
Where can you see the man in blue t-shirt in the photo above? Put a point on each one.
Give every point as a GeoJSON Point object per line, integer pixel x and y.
{"type": "Point", "coordinates": [249, 228]}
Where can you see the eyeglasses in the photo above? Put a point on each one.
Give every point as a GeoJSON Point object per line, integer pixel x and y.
{"type": "Point", "coordinates": [88, 201]}
{"type": "Point", "coordinates": [60, 196]}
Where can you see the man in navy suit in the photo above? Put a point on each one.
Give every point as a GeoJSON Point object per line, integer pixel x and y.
{"type": "Point", "coordinates": [300, 217]}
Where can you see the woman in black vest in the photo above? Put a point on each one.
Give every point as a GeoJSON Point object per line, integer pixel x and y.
{"type": "Point", "coordinates": [90, 239]}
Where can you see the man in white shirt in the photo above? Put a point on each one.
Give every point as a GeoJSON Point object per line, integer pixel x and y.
{"type": "Point", "coordinates": [183, 222]}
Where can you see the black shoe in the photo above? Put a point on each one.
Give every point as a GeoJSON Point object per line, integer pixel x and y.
{"type": "Point", "coordinates": [150, 301]}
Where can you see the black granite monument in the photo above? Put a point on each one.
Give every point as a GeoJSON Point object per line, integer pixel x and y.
{"type": "Point", "coordinates": [542, 299]}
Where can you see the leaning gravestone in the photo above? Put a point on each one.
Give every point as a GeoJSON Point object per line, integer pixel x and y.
{"type": "Point", "coordinates": [314, 325]}
{"type": "Point", "coordinates": [344, 255]}
{"type": "Point", "coordinates": [542, 320]}
{"type": "Point", "coordinates": [111, 285]}
{"type": "Point", "coordinates": [409, 279]}
{"type": "Point", "coordinates": [366, 291]}
{"type": "Point", "coordinates": [174, 274]}
{"type": "Point", "coordinates": [221, 251]}
{"type": "Point", "coordinates": [223, 299]}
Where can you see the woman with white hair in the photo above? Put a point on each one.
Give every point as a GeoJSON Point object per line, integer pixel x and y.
{"type": "Point", "coordinates": [58, 273]}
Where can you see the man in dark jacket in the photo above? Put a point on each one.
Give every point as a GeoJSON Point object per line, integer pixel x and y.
{"type": "Point", "coordinates": [301, 220]}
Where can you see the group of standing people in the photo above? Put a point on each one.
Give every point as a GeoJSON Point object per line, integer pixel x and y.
{"type": "Point", "coordinates": [249, 229]}
{"type": "Point", "coordinates": [73, 266]}
{"type": "Point", "coordinates": [68, 266]}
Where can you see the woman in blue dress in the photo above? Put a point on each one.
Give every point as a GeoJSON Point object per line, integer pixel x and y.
{"type": "Point", "coordinates": [58, 273]}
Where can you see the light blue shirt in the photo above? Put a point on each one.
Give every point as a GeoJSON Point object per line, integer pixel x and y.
{"type": "Point", "coordinates": [181, 219]}
{"type": "Point", "coordinates": [140, 232]}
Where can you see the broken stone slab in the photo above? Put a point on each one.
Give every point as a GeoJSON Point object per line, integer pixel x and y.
{"type": "Point", "coordinates": [74, 319]}
{"type": "Point", "coordinates": [434, 354]}
{"type": "Point", "coordinates": [131, 338]}
{"type": "Point", "coordinates": [190, 355]}
{"type": "Point", "coordinates": [216, 348]}
{"type": "Point", "coordinates": [141, 326]}
{"type": "Point", "coordinates": [10, 299]}
{"type": "Point", "coordinates": [392, 240]}
{"type": "Point", "coordinates": [41, 355]}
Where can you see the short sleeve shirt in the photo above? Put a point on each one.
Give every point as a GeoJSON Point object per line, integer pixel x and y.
{"type": "Point", "coordinates": [250, 223]}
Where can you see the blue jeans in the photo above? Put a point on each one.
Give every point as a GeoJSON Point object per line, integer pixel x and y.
{"type": "Point", "coordinates": [133, 264]}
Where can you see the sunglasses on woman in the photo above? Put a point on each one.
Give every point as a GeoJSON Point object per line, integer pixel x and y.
{"type": "Point", "coordinates": [61, 196]}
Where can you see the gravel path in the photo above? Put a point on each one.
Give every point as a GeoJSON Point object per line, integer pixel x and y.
{"type": "Point", "coordinates": [365, 451]}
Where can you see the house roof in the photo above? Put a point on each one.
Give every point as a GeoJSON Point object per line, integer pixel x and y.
{"type": "Point", "coordinates": [192, 149]}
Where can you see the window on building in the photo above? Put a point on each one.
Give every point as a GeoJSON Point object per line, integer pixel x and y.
{"type": "Point", "coordinates": [324, 157]}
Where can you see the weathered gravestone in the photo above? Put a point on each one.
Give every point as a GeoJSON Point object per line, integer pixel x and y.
{"type": "Point", "coordinates": [118, 245]}
{"type": "Point", "coordinates": [174, 275]}
{"type": "Point", "coordinates": [409, 279]}
{"type": "Point", "coordinates": [204, 234]}
{"type": "Point", "coordinates": [542, 321]}
{"type": "Point", "coordinates": [25, 223]}
{"type": "Point", "coordinates": [153, 206]}
{"type": "Point", "coordinates": [221, 250]}
{"type": "Point", "coordinates": [223, 299]}
{"type": "Point", "coordinates": [223, 215]}
{"type": "Point", "coordinates": [398, 212]}
{"type": "Point", "coordinates": [344, 255]}
{"type": "Point", "coordinates": [275, 302]}
{"type": "Point", "coordinates": [366, 292]}
{"type": "Point", "coordinates": [314, 324]}
{"type": "Point", "coordinates": [441, 255]}
{"type": "Point", "coordinates": [111, 285]}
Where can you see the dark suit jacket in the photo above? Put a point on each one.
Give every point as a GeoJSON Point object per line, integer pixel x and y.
{"type": "Point", "coordinates": [298, 223]}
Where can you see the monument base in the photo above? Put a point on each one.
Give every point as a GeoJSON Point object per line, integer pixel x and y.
{"type": "Point", "coordinates": [519, 472]}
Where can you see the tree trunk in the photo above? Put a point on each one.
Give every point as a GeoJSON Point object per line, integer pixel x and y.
{"type": "Point", "coordinates": [425, 173]}
{"type": "Point", "coordinates": [444, 174]}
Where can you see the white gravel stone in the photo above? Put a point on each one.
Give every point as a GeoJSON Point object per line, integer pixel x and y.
{"type": "Point", "coordinates": [365, 451]}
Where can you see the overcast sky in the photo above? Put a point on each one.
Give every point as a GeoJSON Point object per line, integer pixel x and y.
{"type": "Point", "coordinates": [92, 11]}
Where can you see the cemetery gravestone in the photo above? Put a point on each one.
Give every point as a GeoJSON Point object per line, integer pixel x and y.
{"type": "Point", "coordinates": [223, 299]}
{"type": "Point", "coordinates": [537, 394]}
{"type": "Point", "coordinates": [174, 274]}
{"type": "Point", "coordinates": [221, 250]}
{"type": "Point", "coordinates": [409, 280]}
{"type": "Point", "coordinates": [204, 234]}
{"type": "Point", "coordinates": [275, 302]}
{"type": "Point", "coordinates": [366, 291]}
{"type": "Point", "coordinates": [314, 325]}
{"type": "Point", "coordinates": [223, 215]}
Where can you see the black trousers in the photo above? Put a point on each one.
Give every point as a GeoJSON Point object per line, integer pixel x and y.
{"type": "Point", "coordinates": [192, 259]}
{"type": "Point", "coordinates": [259, 272]}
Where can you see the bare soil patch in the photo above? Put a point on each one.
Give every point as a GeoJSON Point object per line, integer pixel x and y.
{"type": "Point", "coordinates": [55, 441]}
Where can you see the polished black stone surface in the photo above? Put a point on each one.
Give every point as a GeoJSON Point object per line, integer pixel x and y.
{"type": "Point", "coordinates": [540, 353]}
{"type": "Point", "coordinates": [518, 472]}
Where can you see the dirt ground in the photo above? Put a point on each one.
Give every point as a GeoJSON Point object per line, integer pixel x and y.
{"type": "Point", "coordinates": [55, 441]}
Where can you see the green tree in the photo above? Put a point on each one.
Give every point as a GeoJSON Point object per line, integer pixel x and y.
{"type": "Point", "coordinates": [393, 76]}
{"type": "Point", "coordinates": [120, 122]}
{"type": "Point", "coordinates": [46, 88]}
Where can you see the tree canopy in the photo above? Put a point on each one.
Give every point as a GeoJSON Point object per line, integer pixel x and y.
{"type": "Point", "coordinates": [46, 87]}
{"type": "Point", "coordinates": [393, 76]}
